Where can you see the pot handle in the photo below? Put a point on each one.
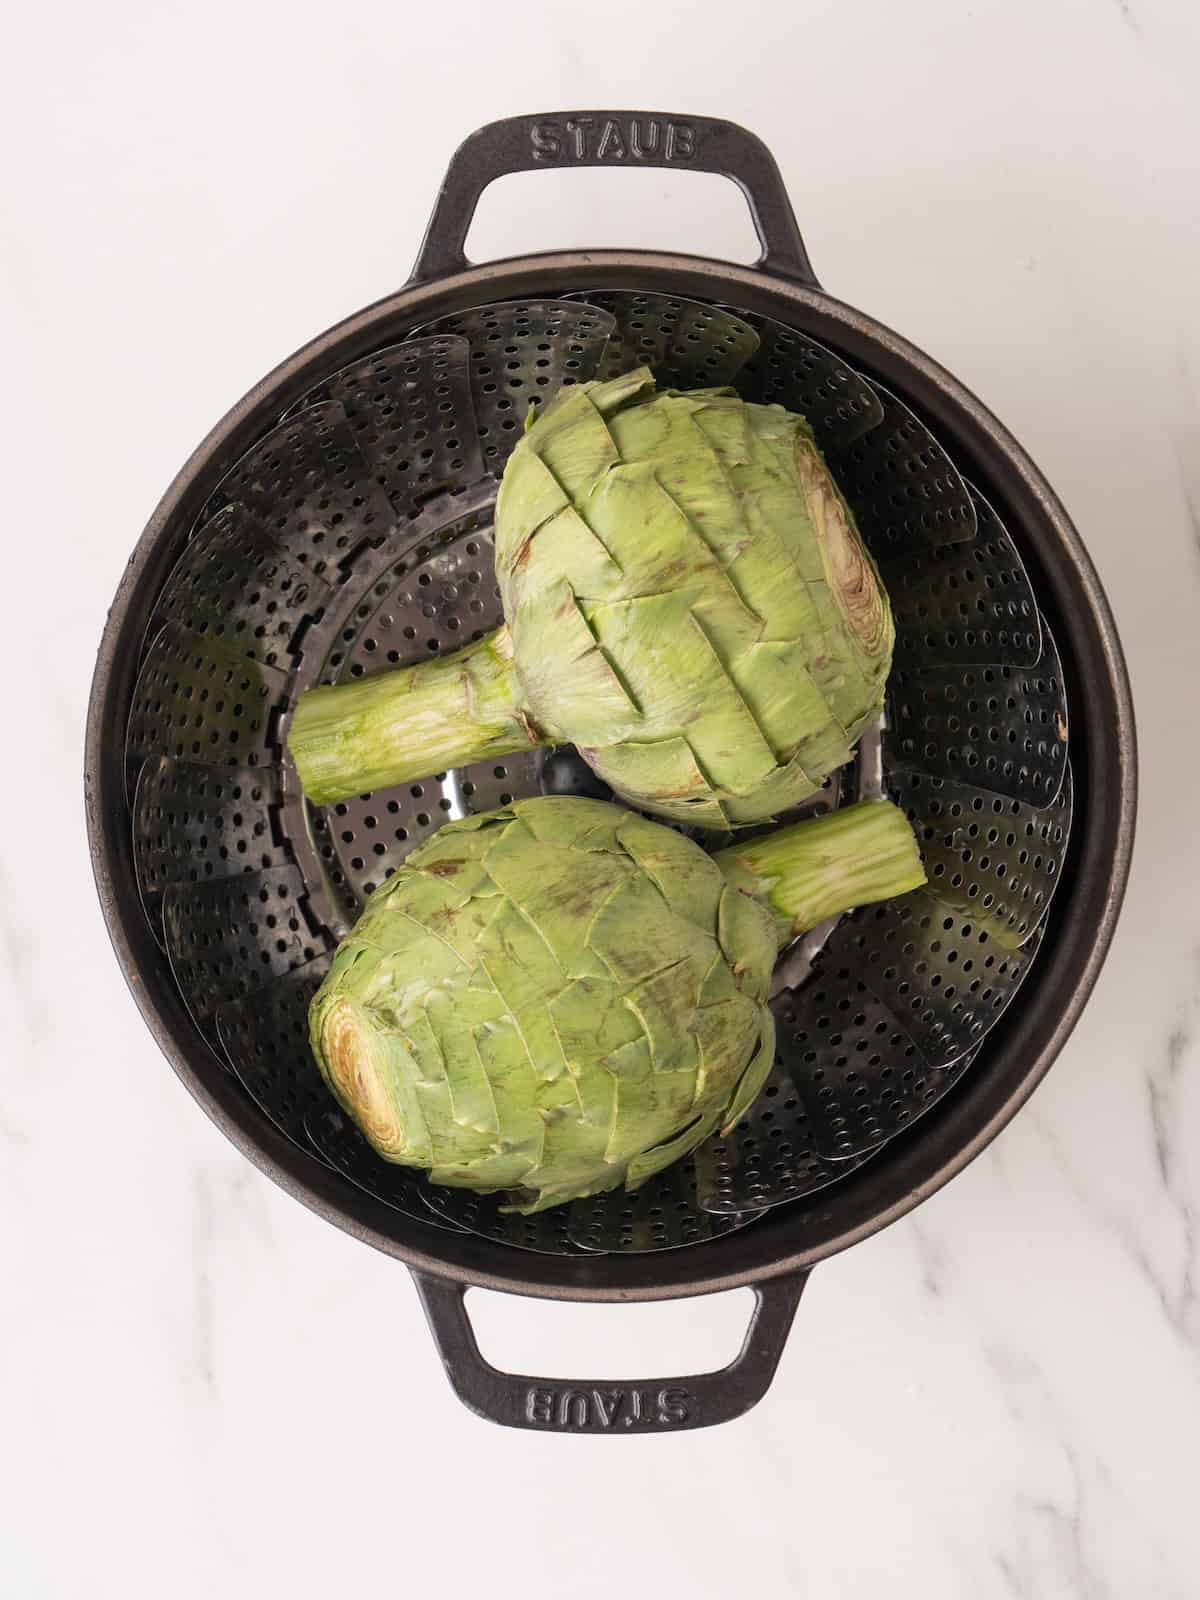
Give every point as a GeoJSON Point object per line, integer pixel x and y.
{"type": "Point", "coordinates": [613, 139]}
{"type": "Point", "coordinates": [608, 1405]}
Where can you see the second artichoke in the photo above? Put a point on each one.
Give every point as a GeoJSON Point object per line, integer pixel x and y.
{"type": "Point", "coordinates": [688, 601]}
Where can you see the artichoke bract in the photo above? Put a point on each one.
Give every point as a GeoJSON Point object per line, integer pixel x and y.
{"type": "Point", "coordinates": [687, 601]}
{"type": "Point", "coordinates": [561, 996]}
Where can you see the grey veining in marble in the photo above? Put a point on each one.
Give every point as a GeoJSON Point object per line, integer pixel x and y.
{"type": "Point", "coordinates": [205, 1390]}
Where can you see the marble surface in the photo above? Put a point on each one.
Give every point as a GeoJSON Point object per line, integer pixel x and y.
{"type": "Point", "coordinates": [205, 1390]}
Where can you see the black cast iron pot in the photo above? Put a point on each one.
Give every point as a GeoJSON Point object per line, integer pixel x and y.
{"type": "Point", "coordinates": [775, 1255]}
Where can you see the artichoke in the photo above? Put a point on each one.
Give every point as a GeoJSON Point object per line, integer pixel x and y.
{"type": "Point", "coordinates": [561, 996]}
{"type": "Point", "coordinates": [688, 601]}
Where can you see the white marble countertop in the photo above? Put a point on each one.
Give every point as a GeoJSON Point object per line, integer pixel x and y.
{"type": "Point", "coordinates": [205, 1390]}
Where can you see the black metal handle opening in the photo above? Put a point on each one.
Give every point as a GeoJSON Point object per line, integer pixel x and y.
{"type": "Point", "coordinates": [613, 139]}
{"type": "Point", "coordinates": [607, 1405]}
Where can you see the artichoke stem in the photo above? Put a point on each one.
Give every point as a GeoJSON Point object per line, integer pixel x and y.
{"type": "Point", "coordinates": [827, 865]}
{"type": "Point", "coordinates": [392, 728]}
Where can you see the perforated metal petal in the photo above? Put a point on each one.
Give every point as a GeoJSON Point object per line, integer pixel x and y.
{"type": "Point", "coordinates": [441, 595]}
{"type": "Point", "coordinates": [366, 838]}
{"type": "Point", "coordinates": [858, 1073]}
{"type": "Point", "coordinates": [995, 727]}
{"type": "Point", "coordinates": [229, 937]}
{"type": "Point", "coordinates": [192, 823]}
{"type": "Point", "coordinates": [234, 583]}
{"type": "Point", "coordinates": [342, 1146]}
{"type": "Point", "coordinates": [685, 343]}
{"type": "Point", "coordinates": [357, 536]}
{"type": "Point", "coordinates": [459, 520]}
{"type": "Point", "coordinates": [941, 972]}
{"type": "Point", "coordinates": [772, 1158]}
{"type": "Point", "coordinates": [547, 1233]}
{"type": "Point", "coordinates": [967, 603]}
{"type": "Point", "coordinates": [311, 488]}
{"type": "Point", "coordinates": [435, 600]}
{"type": "Point", "coordinates": [904, 490]}
{"type": "Point", "coordinates": [197, 700]}
{"type": "Point", "coordinates": [847, 1076]}
{"type": "Point", "coordinates": [769, 1158]}
{"type": "Point", "coordinates": [985, 855]}
{"type": "Point", "coordinates": [264, 1034]}
{"type": "Point", "coordinates": [521, 354]}
{"type": "Point", "coordinates": [409, 409]}
{"type": "Point", "coordinates": [663, 1214]}
{"type": "Point", "coordinates": [794, 371]}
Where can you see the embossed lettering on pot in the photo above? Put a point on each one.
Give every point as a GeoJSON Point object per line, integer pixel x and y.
{"type": "Point", "coordinates": [577, 1409]}
{"type": "Point", "coordinates": [613, 139]}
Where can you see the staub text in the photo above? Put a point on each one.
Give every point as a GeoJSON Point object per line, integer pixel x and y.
{"type": "Point", "coordinates": [613, 139]}
{"type": "Point", "coordinates": [599, 1409]}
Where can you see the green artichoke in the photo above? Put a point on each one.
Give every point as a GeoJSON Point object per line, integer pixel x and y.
{"type": "Point", "coordinates": [562, 996]}
{"type": "Point", "coordinates": [688, 602]}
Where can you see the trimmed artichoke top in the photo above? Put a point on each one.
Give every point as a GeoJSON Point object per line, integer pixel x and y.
{"type": "Point", "coordinates": [689, 599]}
{"type": "Point", "coordinates": [551, 999]}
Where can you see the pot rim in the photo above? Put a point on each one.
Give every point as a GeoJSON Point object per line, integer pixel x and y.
{"type": "Point", "coordinates": [956, 1131]}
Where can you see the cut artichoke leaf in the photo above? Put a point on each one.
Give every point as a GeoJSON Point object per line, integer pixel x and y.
{"type": "Point", "coordinates": [574, 821]}
{"type": "Point", "coordinates": [575, 444]}
{"type": "Point", "coordinates": [755, 1076]}
{"type": "Point", "coordinates": [460, 1024]}
{"type": "Point", "coordinates": [646, 1096]}
{"type": "Point", "coordinates": [651, 541]}
{"type": "Point", "coordinates": [637, 934]}
{"type": "Point", "coordinates": [670, 1150]}
{"type": "Point", "coordinates": [593, 1023]}
{"type": "Point", "coordinates": [595, 701]}
{"type": "Point", "coordinates": [664, 652]}
{"type": "Point", "coordinates": [691, 887]}
{"type": "Point", "coordinates": [564, 540]}
{"type": "Point", "coordinates": [749, 939]}
{"type": "Point", "coordinates": [610, 397]}
{"type": "Point", "coordinates": [666, 1006]}
{"type": "Point", "coordinates": [530, 495]}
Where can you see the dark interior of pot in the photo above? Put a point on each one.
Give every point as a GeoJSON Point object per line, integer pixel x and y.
{"type": "Point", "coordinates": [354, 534]}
